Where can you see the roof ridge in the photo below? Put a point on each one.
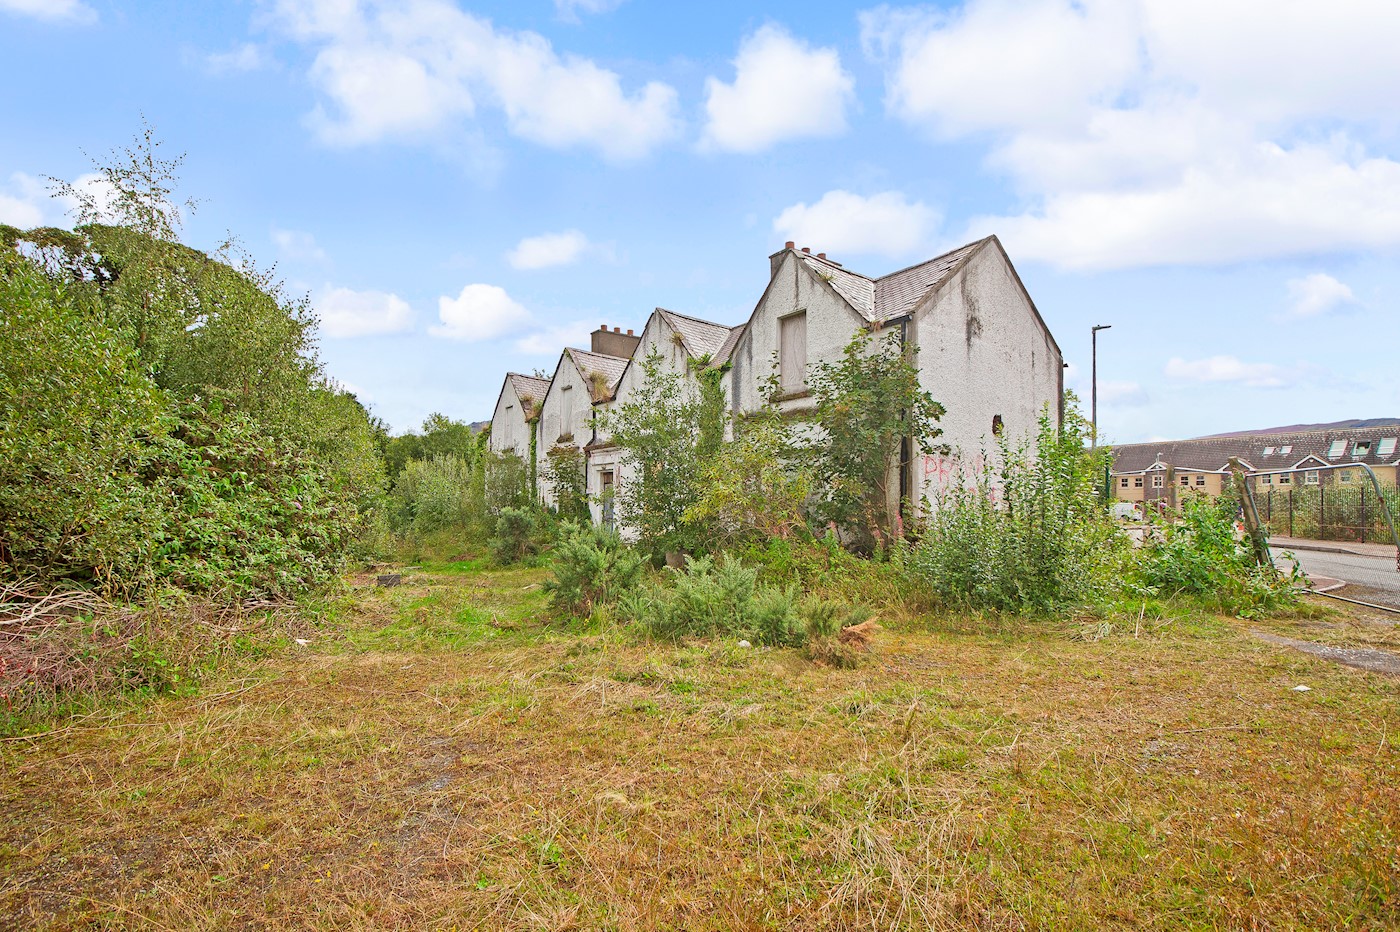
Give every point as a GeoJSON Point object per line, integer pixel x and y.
{"type": "Point", "coordinates": [942, 255]}
{"type": "Point", "coordinates": [836, 265]}
{"type": "Point", "coordinates": [698, 320]}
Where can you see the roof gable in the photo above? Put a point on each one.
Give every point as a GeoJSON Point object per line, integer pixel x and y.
{"type": "Point", "coordinates": [699, 337]}
{"type": "Point", "coordinates": [530, 391]}
{"type": "Point", "coordinates": [599, 372]}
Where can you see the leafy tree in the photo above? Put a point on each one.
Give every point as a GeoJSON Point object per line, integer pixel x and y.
{"type": "Point", "coordinates": [658, 431]}
{"type": "Point", "coordinates": [750, 492]}
{"type": "Point", "coordinates": [866, 403]}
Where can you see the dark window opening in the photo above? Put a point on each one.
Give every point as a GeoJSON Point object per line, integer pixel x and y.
{"type": "Point", "coordinates": [997, 425]}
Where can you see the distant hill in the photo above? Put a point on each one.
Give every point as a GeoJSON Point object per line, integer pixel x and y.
{"type": "Point", "coordinates": [1354, 424]}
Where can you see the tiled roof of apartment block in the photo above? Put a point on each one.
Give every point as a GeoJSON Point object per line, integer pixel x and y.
{"type": "Point", "coordinates": [1374, 446]}
{"type": "Point", "coordinates": [601, 372]}
{"type": "Point", "coordinates": [893, 295]}
{"type": "Point", "coordinates": [701, 337]}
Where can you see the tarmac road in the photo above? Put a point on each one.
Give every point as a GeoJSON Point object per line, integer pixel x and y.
{"type": "Point", "coordinates": [1375, 574]}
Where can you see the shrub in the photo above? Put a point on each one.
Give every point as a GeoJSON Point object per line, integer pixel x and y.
{"type": "Point", "coordinates": [1033, 537]}
{"type": "Point", "coordinates": [1203, 556]}
{"type": "Point", "coordinates": [517, 533]}
{"type": "Point", "coordinates": [567, 477]}
{"type": "Point", "coordinates": [591, 567]}
{"type": "Point", "coordinates": [434, 494]}
{"type": "Point", "coordinates": [722, 597]}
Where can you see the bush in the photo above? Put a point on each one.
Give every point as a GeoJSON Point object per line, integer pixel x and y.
{"type": "Point", "coordinates": [722, 597]}
{"type": "Point", "coordinates": [435, 494]}
{"type": "Point", "coordinates": [1034, 537]}
{"type": "Point", "coordinates": [591, 567]}
{"type": "Point", "coordinates": [517, 533]}
{"type": "Point", "coordinates": [1203, 556]}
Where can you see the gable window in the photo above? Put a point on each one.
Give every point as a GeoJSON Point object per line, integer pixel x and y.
{"type": "Point", "coordinates": [792, 353]}
{"type": "Point", "coordinates": [1311, 477]}
{"type": "Point", "coordinates": [1157, 481]}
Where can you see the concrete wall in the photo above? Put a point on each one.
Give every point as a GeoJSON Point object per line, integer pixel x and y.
{"type": "Point", "coordinates": [981, 352]}
{"type": "Point", "coordinates": [575, 430]}
{"type": "Point", "coordinates": [830, 325]}
{"type": "Point", "coordinates": [509, 431]}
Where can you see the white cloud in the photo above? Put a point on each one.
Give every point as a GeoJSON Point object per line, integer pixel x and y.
{"type": "Point", "coordinates": [480, 312]}
{"type": "Point", "coordinates": [410, 70]}
{"type": "Point", "coordinates": [569, 10]}
{"type": "Point", "coordinates": [842, 222]}
{"type": "Point", "coordinates": [347, 313]}
{"type": "Point", "coordinates": [246, 57]}
{"type": "Point", "coordinates": [1195, 132]}
{"type": "Point", "coordinates": [23, 202]}
{"type": "Point", "coordinates": [548, 249]}
{"type": "Point", "coordinates": [72, 11]}
{"type": "Point", "coordinates": [552, 340]}
{"type": "Point", "coordinates": [1231, 370]}
{"type": "Point", "coordinates": [783, 89]}
{"type": "Point", "coordinates": [996, 63]}
{"type": "Point", "coordinates": [297, 245]}
{"type": "Point", "coordinates": [1316, 294]}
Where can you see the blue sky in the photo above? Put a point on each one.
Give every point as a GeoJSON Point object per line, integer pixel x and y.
{"type": "Point", "coordinates": [462, 188]}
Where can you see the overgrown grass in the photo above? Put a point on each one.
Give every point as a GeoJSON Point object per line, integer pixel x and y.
{"type": "Point", "coordinates": [443, 755]}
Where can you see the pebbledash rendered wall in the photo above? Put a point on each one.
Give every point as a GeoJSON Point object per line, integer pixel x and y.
{"type": "Point", "coordinates": [553, 430]}
{"type": "Point", "coordinates": [982, 352]}
{"type": "Point", "coordinates": [831, 323]}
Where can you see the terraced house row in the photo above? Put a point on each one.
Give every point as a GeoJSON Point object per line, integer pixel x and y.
{"type": "Point", "coordinates": [981, 347]}
{"type": "Point", "coordinates": [1161, 470]}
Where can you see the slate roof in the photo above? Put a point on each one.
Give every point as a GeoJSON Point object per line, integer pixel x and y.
{"type": "Point", "coordinates": [896, 294]}
{"type": "Point", "coordinates": [1209, 454]}
{"type": "Point", "coordinates": [609, 368]}
{"type": "Point", "coordinates": [531, 388]}
{"type": "Point", "coordinates": [727, 349]}
{"type": "Point", "coordinates": [701, 337]}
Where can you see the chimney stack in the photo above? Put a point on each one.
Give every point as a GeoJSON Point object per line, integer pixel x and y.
{"type": "Point", "coordinates": [610, 341]}
{"type": "Point", "coordinates": [807, 250]}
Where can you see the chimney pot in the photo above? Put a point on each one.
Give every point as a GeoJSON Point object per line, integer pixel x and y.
{"type": "Point", "coordinates": [629, 331]}
{"type": "Point", "coordinates": [807, 250]}
{"type": "Point", "coordinates": [789, 244]}
{"type": "Point", "coordinates": [821, 255]}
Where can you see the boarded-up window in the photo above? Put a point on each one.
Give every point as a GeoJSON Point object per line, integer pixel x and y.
{"type": "Point", "coordinates": [566, 411]}
{"type": "Point", "coordinates": [792, 352]}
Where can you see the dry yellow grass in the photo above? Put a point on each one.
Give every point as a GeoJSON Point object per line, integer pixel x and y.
{"type": "Point", "coordinates": [441, 757]}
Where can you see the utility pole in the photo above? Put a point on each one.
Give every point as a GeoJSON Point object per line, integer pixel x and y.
{"type": "Point", "coordinates": [1094, 386]}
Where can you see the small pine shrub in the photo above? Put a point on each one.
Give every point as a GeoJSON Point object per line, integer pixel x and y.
{"type": "Point", "coordinates": [776, 621]}
{"type": "Point", "coordinates": [517, 533]}
{"type": "Point", "coordinates": [592, 567]}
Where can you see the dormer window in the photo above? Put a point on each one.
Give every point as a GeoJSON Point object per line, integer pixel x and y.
{"type": "Point", "coordinates": [1361, 448]}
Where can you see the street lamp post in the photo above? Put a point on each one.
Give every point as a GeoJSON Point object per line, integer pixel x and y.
{"type": "Point", "coordinates": [1094, 385]}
